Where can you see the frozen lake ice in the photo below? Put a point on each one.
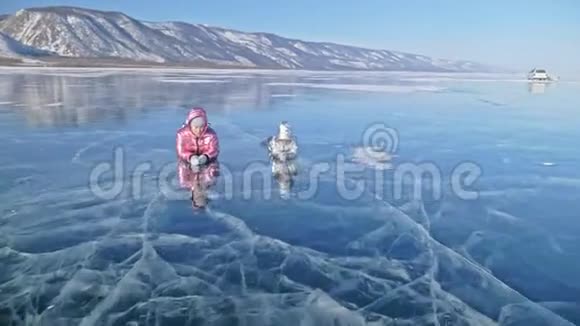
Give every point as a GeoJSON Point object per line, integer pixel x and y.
{"type": "Point", "coordinates": [131, 249]}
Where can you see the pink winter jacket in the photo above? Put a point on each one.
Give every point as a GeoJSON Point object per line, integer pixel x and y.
{"type": "Point", "coordinates": [188, 144]}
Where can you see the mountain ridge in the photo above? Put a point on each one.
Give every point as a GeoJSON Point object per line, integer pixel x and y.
{"type": "Point", "coordinates": [74, 32]}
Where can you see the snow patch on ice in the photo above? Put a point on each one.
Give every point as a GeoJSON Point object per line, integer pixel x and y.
{"type": "Point", "coordinates": [366, 88]}
{"type": "Point", "coordinates": [283, 95]}
{"type": "Point", "coordinates": [193, 81]}
{"type": "Point", "coordinates": [372, 158]}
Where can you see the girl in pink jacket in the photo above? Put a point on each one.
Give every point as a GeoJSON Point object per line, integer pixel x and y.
{"type": "Point", "coordinates": [197, 143]}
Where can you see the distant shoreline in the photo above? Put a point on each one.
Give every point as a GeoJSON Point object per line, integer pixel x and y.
{"type": "Point", "coordinates": [61, 62]}
{"type": "Point", "coordinates": [241, 70]}
{"type": "Point", "coordinates": [115, 63]}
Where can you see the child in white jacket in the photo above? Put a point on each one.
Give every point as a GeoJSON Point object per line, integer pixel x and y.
{"type": "Point", "coordinates": [283, 147]}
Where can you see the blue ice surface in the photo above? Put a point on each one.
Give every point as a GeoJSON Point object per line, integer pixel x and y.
{"type": "Point", "coordinates": [256, 257]}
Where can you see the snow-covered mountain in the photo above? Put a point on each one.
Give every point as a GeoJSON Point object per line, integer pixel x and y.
{"type": "Point", "coordinates": [76, 32]}
{"type": "Point", "coordinates": [10, 48]}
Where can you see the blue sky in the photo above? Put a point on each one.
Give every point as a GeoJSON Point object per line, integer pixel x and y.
{"type": "Point", "coordinates": [513, 33]}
